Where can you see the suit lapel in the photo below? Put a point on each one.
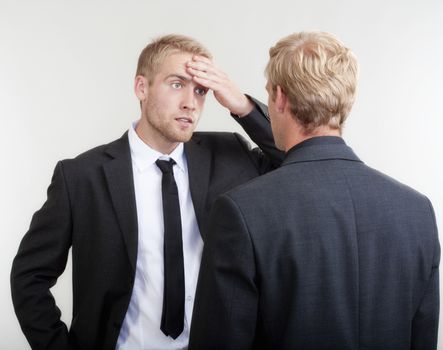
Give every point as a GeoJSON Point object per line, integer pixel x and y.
{"type": "Point", "coordinates": [119, 177]}
{"type": "Point", "coordinates": [199, 160]}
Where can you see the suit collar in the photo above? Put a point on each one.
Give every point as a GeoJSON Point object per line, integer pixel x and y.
{"type": "Point", "coordinates": [119, 178]}
{"type": "Point", "coordinates": [320, 148]}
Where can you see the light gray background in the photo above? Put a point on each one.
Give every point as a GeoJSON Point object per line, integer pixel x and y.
{"type": "Point", "coordinates": [66, 85]}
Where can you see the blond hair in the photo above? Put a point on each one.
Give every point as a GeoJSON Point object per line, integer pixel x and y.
{"type": "Point", "coordinates": [159, 49]}
{"type": "Point", "coordinates": [319, 76]}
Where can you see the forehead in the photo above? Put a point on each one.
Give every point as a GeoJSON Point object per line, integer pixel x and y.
{"type": "Point", "coordinates": [175, 64]}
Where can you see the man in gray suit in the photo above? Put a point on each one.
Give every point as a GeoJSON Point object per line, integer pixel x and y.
{"type": "Point", "coordinates": [324, 252]}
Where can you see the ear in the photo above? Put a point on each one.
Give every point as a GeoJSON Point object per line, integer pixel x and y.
{"type": "Point", "coordinates": [141, 87]}
{"type": "Point", "coordinates": [281, 100]}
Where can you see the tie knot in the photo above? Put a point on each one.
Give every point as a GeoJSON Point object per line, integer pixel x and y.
{"type": "Point", "coordinates": [165, 165]}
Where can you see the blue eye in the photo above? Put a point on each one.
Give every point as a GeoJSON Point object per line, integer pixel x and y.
{"type": "Point", "coordinates": [176, 85]}
{"type": "Point", "coordinates": [200, 91]}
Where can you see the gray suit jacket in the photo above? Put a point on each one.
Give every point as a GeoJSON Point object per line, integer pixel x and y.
{"type": "Point", "coordinates": [91, 209]}
{"type": "Point", "coordinates": [321, 253]}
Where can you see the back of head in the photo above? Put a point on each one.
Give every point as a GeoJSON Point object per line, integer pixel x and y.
{"type": "Point", "coordinates": [319, 76]}
{"type": "Point", "coordinates": [159, 49]}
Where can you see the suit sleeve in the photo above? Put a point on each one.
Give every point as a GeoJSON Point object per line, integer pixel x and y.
{"type": "Point", "coordinates": [225, 313]}
{"type": "Point", "coordinates": [40, 260]}
{"type": "Point", "coordinates": [425, 322]}
{"type": "Point", "coordinates": [258, 127]}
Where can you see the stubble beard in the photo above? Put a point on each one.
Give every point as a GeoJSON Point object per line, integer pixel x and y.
{"type": "Point", "coordinates": [168, 130]}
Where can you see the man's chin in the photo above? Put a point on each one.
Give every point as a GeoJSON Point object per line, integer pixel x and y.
{"type": "Point", "coordinates": [183, 137]}
{"type": "Point", "coordinates": [187, 138]}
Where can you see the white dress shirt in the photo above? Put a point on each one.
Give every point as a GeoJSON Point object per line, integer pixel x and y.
{"type": "Point", "coordinates": [141, 326]}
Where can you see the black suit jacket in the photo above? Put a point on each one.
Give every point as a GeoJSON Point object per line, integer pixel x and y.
{"type": "Point", "coordinates": [91, 208]}
{"type": "Point", "coordinates": [322, 253]}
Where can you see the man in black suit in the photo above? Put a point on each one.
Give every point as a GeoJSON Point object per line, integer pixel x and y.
{"type": "Point", "coordinates": [323, 252]}
{"type": "Point", "coordinates": [108, 205]}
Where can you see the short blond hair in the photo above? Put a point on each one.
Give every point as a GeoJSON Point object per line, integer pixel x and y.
{"type": "Point", "coordinates": [319, 76]}
{"type": "Point", "coordinates": [159, 49]}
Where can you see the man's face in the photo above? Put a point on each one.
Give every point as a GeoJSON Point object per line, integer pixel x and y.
{"type": "Point", "coordinates": [172, 106]}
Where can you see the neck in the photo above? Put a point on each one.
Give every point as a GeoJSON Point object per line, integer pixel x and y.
{"type": "Point", "coordinates": [299, 135]}
{"type": "Point", "coordinates": [154, 138]}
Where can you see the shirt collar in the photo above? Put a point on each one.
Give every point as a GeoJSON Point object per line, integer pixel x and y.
{"type": "Point", "coordinates": [143, 156]}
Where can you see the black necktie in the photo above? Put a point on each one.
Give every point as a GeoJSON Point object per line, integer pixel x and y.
{"type": "Point", "coordinates": [174, 282]}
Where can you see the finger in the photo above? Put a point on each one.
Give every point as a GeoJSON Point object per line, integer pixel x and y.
{"type": "Point", "coordinates": [198, 65]}
{"type": "Point", "coordinates": [206, 75]}
{"type": "Point", "coordinates": [205, 62]}
{"type": "Point", "coordinates": [210, 70]}
{"type": "Point", "coordinates": [201, 64]}
{"type": "Point", "coordinates": [197, 58]}
{"type": "Point", "coordinates": [207, 67]}
{"type": "Point", "coordinates": [207, 83]}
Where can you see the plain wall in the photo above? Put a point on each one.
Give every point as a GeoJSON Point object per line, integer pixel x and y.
{"type": "Point", "coordinates": [66, 85]}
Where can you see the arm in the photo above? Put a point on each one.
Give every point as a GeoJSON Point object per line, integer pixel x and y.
{"type": "Point", "coordinates": [425, 323]}
{"type": "Point", "coordinates": [258, 127]}
{"type": "Point", "coordinates": [225, 313]}
{"type": "Point", "coordinates": [41, 258]}
{"type": "Point", "coordinates": [251, 114]}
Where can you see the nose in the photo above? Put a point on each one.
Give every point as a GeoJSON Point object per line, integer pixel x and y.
{"type": "Point", "coordinates": [188, 98]}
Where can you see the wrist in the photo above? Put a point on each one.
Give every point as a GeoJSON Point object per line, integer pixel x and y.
{"type": "Point", "coordinates": [246, 107]}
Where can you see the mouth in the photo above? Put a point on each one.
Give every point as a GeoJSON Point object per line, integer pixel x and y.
{"type": "Point", "coordinates": [184, 121]}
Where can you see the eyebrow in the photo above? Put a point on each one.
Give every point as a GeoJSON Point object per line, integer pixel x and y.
{"type": "Point", "coordinates": [181, 77]}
